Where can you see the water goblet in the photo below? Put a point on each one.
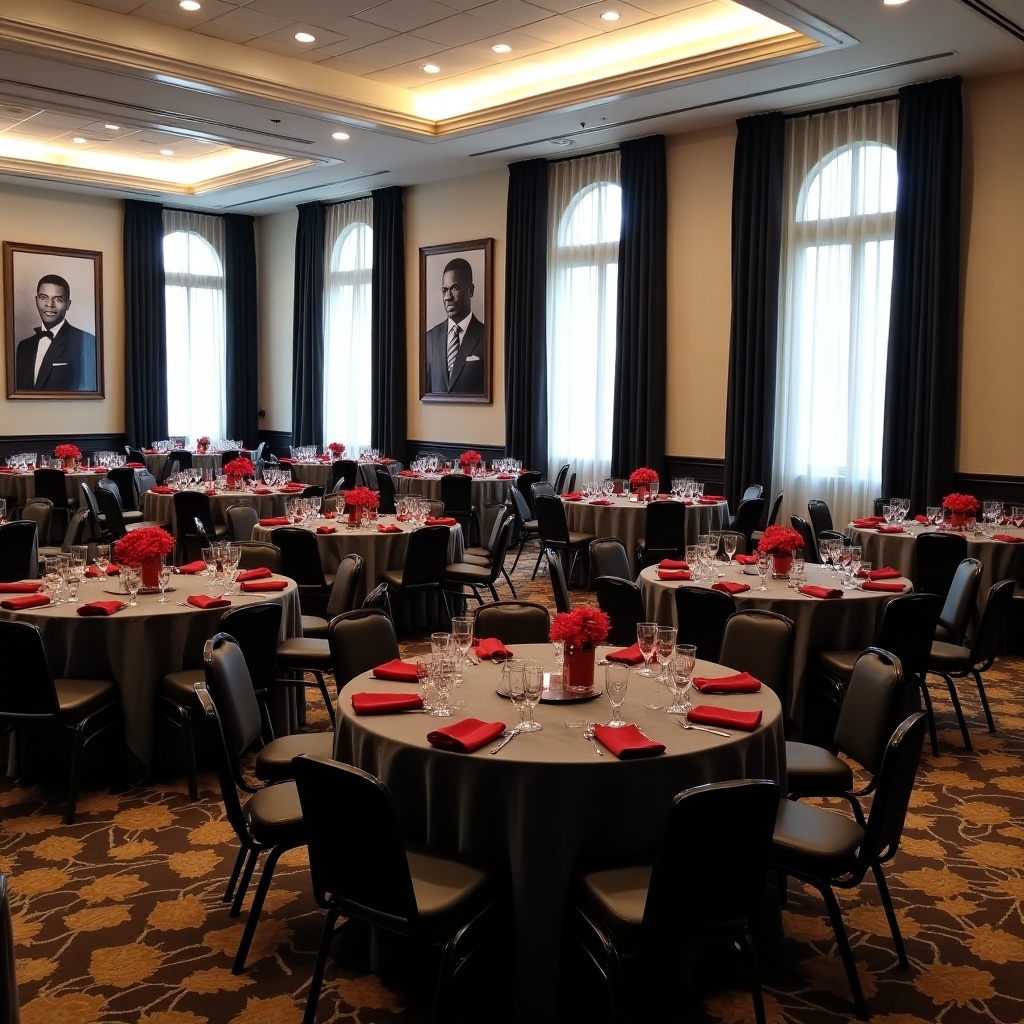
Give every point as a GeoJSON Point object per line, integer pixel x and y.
{"type": "Point", "coordinates": [440, 643]}
{"type": "Point", "coordinates": [514, 684]}
{"type": "Point", "coordinates": [664, 648]}
{"type": "Point", "coordinates": [164, 580]}
{"type": "Point", "coordinates": [102, 557]}
{"type": "Point", "coordinates": [691, 555]}
{"type": "Point", "coordinates": [132, 581]}
{"type": "Point", "coordinates": [680, 678]}
{"type": "Point", "coordinates": [425, 683]}
{"type": "Point", "coordinates": [533, 687]}
{"type": "Point", "coordinates": [616, 679]}
{"type": "Point", "coordinates": [729, 541]}
{"type": "Point", "coordinates": [764, 565]}
{"type": "Point", "coordinates": [646, 638]}
{"type": "Point", "coordinates": [443, 676]}
{"type": "Point", "coordinates": [462, 635]}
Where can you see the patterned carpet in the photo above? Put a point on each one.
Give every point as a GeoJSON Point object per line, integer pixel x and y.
{"type": "Point", "coordinates": [119, 918]}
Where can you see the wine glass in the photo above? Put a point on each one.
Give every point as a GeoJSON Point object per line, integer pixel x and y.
{"type": "Point", "coordinates": [443, 674]}
{"type": "Point", "coordinates": [165, 578]}
{"type": "Point", "coordinates": [729, 541]}
{"type": "Point", "coordinates": [132, 581]}
{"type": "Point", "coordinates": [681, 678]}
{"type": "Point", "coordinates": [533, 685]}
{"type": "Point", "coordinates": [102, 557]}
{"type": "Point", "coordinates": [462, 635]}
{"type": "Point", "coordinates": [646, 638]}
{"type": "Point", "coordinates": [616, 679]}
{"type": "Point", "coordinates": [664, 648]}
{"type": "Point", "coordinates": [764, 564]}
{"type": "Point", "coordinates": [515, 685]}
{"type": "Point", "coordinates": [423, 678]}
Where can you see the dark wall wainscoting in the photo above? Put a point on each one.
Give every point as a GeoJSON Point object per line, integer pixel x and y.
{"type": "Point", "coordinates": [1007, 489]}
{"type": "Point", "coordinates": [278, 441]}
{"type": "Point", "coordinates": [711, 472]}
{"type": "Point", "coordinates": [43, 444]}
{"type": "Point", "coordinates": [447, 450]}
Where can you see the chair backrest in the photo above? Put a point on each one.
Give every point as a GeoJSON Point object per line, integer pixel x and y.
{"type": "Point", "coordinates": [369, 879]}
{"type": "Point", "coordinates": [19, 551]}
{"type": "Point", "coordinates": [558, 586]}
{"type": "Point", "coordinates": [360, 640]}
{"type": "Point", "coordinates": [9, 1008]}
{"type": "Point", "coordinates": [520, 507]}
{"type": "Point", "coordinates": [257, 554]}
{"type": "Point", "coordinates": [344, 473]}
{"type": "Point", "coordinates": [256, 627]}
{"type": "Point", "coordinates": [624, 605]}
{"type": "Point", "coordinates": [27, 689]}
{"type": "Point", "coordinates": [144, 480]}
{"type": "Point", "coordinates": [109, 502]}
{"type": "Point", "coordinates": [493, 518]}
{"type": "Point", "coordinates": [346, 583]}
{"type": "Point", "coordinates": [228, 455]}
{"type": "Point", "coordinates": [89, 499]}
{"type": "Point", "coordinates": [189, 506]}
{"type": "Point", "coordinates": [701, 614]}
{"type": "Point", "coordinates": [377, 598]}
{"type": "Point", "coordinates": [907, 630]}
{"type": "Point", "coordinates": [560, 477]}
{"type": "Point", "coordinates": [524, 484]}
{"type": "Point", "coordinates": [748, 517]}
{"type": "Point", "coordinates": [426, 557]}
{"type": "Point", "coordinates": [80, 530]}
{"type": "Point", "coordinates": [170, 467]}
{"type": "Point", "coordinates": [664, 531]}
{"type": "Point", "coordinates": [182, 456]}
{"type": "Point", "coordinates": [124, 478]}
{"type": "Point", "coordinates": [608, 558]}
{"type": "Point", "coordinates": [752, 492]}
{"type": "Point", "coordinates": [551, 521]}
{"type": "Point", "coordinates": [819, 516]}
{"type": "Point", "coordinates": [542, 487]}
{"type": "Point", "coordinates": [937, 556]}
{"type": "Point", "coordinates": [514, 622]}
{"type": "Point", "coordinates": [761, 643]}
{"type": "Point", "coordinates": [572, 484]}
{"type": "Point", "coordinates": [987, 641]}
{"type": "Point", "coordinates": [241, 520]}
{"type": "Point", "coordinates": [776, 505]}
{"type": "Point", "coordinates": [961, 598]}
{"type": "Point", "coordinates": [811, 553]}
{"type": "Point", "coordinates": [52, 484]}
{"type": "Point", "coordinates": [40, 512]}
{"type": "Point", "coordinates": [866, 716]}
{"type": "Point", "coordinates": [368, 474]}
{"type": "Point", "coordinates": [735, 821]}
{"type": "Point", "coordinates": [457, 493]}
{"type": "Point", "coordinates": [386, 487]}
{"type": "Point", "coordinates": [300, 556]}
{"type": "Point", "coordinates": [135, 455]}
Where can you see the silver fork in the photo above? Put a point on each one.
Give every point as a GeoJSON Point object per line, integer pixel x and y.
{"type": "Point", "coordinates": [589, 733]}
{"type": "Point", "coordinates": [506, 737]}
{"type": "Point", "coordinates": [684, 724]}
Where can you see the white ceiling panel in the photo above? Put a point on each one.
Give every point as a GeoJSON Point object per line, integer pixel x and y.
{"type": "Point", "coordinates": [255, 23]}
{"type": "Point", "coordinates": [406, 15]}
{"type": "Point", "coordinates": [463, 28]}
{"type": "Point", "coordinates": [169, 12]}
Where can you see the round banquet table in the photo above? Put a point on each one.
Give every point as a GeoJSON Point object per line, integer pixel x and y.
{"type": "Point", "coordinates": [625, 519]}
{"type": "Point", "coordinates": [820, 624]}
{"type": "Point", "coordinates": [486, 490]}
{"type": "Point", "coordinates": [546, 800]}
{"type": "Point", "coordinates": [137, 647]}
{"type": "Point", "coordinates": [159, 508]}
{"type": "Point", "coordinates": [1000, 560]}
{"type": "Point", "coordinates": [19, 487]}
{"type": "Point", "coordinates": [208, 463]}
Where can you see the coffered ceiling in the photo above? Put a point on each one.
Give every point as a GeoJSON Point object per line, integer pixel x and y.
{"type": "Point", "coordinates": [223, 107]}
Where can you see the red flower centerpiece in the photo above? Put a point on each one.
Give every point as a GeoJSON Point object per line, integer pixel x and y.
{"type": "Point", "coordinates": [780, 542]}
{"type": "Point", "coordinates": [959, 505]}
{"type": "Point", "coordinates": [143, 549]}
{"type": "Point", "coordinates": [580, 631]}
{"type": "Point", "coordinates": [640, 481]}
{"type": "Point", "coordinates": [337, 449]}
{"type": "Point", "coordinates": [469, 460]}
{"type": "Point", "coordinates": [237, 470]}
{"type": "Point", "coordinates": [202, 444]}
{"type": "Point", "coordinates": [357, 501]}
{"type": "Point", "coordinates": [69, 453]}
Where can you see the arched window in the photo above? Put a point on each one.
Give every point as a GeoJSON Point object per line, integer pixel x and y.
{"type": "Point", "coordinates": [834, 319]}
{"type": "Point", "coordinates": [582, 300]}
{"type": "Point", "coordinates": [196, 346]}
{"type": "Point", "coordinates": [347, 305]}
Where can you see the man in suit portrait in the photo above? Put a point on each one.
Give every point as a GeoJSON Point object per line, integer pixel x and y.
{"type": "Point", "coordinates": [457, 347]}
{"type": "Point", "coordinates": [58, 356]}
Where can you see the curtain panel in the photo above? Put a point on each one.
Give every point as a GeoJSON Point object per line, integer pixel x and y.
{"type": "Point", "coordinates": [638, 425]}
{"type": "Point", "coordinates": [921, 396]}
{"type": "Point", "coordinates": [308, 327]}
{"type": "Point", "coordinates": [526, 382]}
{"type": "Point", "coordinates": [242, 366]}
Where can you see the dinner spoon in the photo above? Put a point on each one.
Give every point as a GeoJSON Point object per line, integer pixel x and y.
{"type": "Point", "coordinates": [589, 733]}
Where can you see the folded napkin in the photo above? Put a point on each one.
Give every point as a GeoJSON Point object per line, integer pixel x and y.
{"type": "Point", "coordinates": [729, 587]}
{"type": "Point", "coordinates": [326, 529]}
{"type": "Point", "coordinates": [889, 528]}
{"type": "Point", "coordinates": [101, 607]}
{"type": "Point", "coordinates": [706, 500]}
{"type": "Point", "coordinates": [440, 521]}
{"type": "Point", "coordinates": [745, 559]}
{"type": "Point", "coordinates": [276, 521]}
{"type": "Point", "coordinates": [673, 563]}
{"type": "Point", "coordinates": [408, 472]}
{"type": "Point", "coordinates": [291, 488]}
{"type": "Point", "coordinates": [627, 656]}
{"type": "Point", "coordinates": [261, 572]}
{"type": "Point", "coordinates": [811, 590]}
{"type": "Point", "coordinates": [601, 501]}
{"type": "Point", "coordinates": [388, 528]}
{"type": "Point", "coordinates": [260, 586]}
{"type": "Point", "coordinates": [96, 572]}
{"type": "Point", "coordinates": [572, 496]}
{"type": "Point", "coordinates": [13, 604]}
{"type": "Point", "coordinates": [385, 703]}
{"type": "Point", "coordinates": [627, 742]}
{"type": "Point", "coordinates": [887, 572]}
{"type": "Point", "coordinates": [503, 476]}
{"type": "Point", "coordinates": [205, 601]}
{"type": "Point", "coordinates": [741, 682]}
{"type": "Point", "coordinates": [490, 647]}
{"type": "Point", "coordinates": [466, 736]}
{"type": "Point", "coordinates": [135, 465]}
{"type": "Point", "coordinates": [868, 521]}
{"type": "Point", "coordinates": [923, 520]}
{"type": "Point", "coordinates": [1007, 538]}
{"type": "Point", "coordinates": [882, 585]}
{"type": "Point", "coordinates": [24, 587]}
{"type": "Point", "coordinates": [397, 670]}
{"type": "Point", "coordinates": [330, 514]}
{"type": "Point", "coordinates": [192, 567]}
{"type": "Point", "coordinates": [161, 489]}
{"type": "Point", "coordinates": [673, 574]}
{"type": "Point", "coordinates": [707, 714]}
{"type": "Point", "coordinates": [99, 469]}
{"type": "Point", "coordinates": [211, 492]}
{"type": "Point", "coordinates": [286, 459]}
{"type": "Point", "coordinates": [713, 497]}
{"type": "Point", "coordinates": [262, 490]}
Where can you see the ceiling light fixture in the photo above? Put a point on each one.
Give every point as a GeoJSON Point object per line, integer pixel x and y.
{"type": "Point", "coordinates": [112, 127]}
{"type": "Point", "coordinates": [189, 5]}
{"type": "Point", "coordinates": [304, 37]}
{"type": "Point", "coordinates": [431, 69]}
{"type": "Point", "coordinates": [501, 48]}
{"type": "Point", "coordinates": [561, 142]}
{"type": "Point", "coordinates": [893, 3]}
{"type": "Point", "coordinates": [610, 16]}
{"type": "Point", "coordinates": [340, 136]}
{"type": "Point", "coordinates": [79, 140]}
{"type": "Point", "coordinates": [167, 152]}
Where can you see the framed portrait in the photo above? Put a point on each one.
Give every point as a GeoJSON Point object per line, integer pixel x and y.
{"type": "Point", "coordinates": [455, 322]}
{"type": "Point", "coordinates": [54, 304]}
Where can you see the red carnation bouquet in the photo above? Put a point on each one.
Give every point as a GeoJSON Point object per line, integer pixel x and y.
{"type": "Point", "coordinates": [239, 467]}
{"type": "Point", "coordinates": [67, 451]}
{"type": "Point", "coordinates": [468, 459]}
{"type": "Point", "coordinates": [780, 540]}
{"type": "Point", "coordinates": [140, 546]}
{"type": "Point", "coordinates": [582, 629]}
{"type": "Point", "coordinates": [361, 497]}
{"type": "Point", "coordinates": [643, 477]}
{"type": "Point", "coordinates": [336, 448]}
{"type": "Point", "coordinates": [956, 502]}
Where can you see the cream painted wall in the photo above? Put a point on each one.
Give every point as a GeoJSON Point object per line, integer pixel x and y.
{"type": "Point", "coordinates": [462, 209]}
{"type": "Point", "coordinates": [275, 270]}
{"type": "Point", "coordinates": [68, 221]}
{"type": "Point", "coordinates": [992, 368]}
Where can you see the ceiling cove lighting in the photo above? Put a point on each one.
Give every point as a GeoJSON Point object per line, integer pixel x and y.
{"type": "Point", "coordinates": [304, 37]}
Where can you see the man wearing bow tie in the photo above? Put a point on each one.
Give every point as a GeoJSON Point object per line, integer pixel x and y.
{"type": "Point", "coordinates": [457, 347]}
{"type": "Point", "coordinates": [58, 356]}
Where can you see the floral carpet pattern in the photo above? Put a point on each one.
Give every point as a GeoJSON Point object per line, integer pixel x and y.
{"type": "Point", "coordinates": [119, 917]}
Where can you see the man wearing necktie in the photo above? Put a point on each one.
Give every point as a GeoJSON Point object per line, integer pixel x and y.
{"type": "Point", "coordinates": [457, 347]}
{"type": "Point", "coordinates": [58, 356]}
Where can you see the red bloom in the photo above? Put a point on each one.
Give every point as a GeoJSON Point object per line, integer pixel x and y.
{"type": "Point", "coordinates": [643, 477]}
{"type": "Point", "coordinates": [362, 496]}
{"type": "Point", "coordinates": [203, 442]}
{"type": "Point", "coordinates": [139, 546]}
{"type": "Point", "coordinates": [959, 502]}
{"type": "Point", "coordinates": [780, 540]}
{"type": "Point", "coordinates": [67, 451]}
{"type": "Point", "coordinates": [239, 467]}
{"type": "Point", "coordinates": [581, 629]}
{"type": "Point", "coordinates": [336, 448]}
{"type": "Point", "coordinates": [470, 458]}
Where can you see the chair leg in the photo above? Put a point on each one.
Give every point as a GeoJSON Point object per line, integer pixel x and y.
{"type": "Point", "coordinates": [508, 580]}
{"type": "Point", "coordinates": [522, 544]}
{"type": "Point", "coordinates": [746, 944]}
{"type": "Point", "coordinates": [229, 892]}
{"type": "Point", "coordinates": [325, 693]}
{"type": "Point", "coordinates": [984, 700]}
{"type": "Point", "coordinates": [890, 913]}
{"type": "Point", "coordinates": [317, 981]}
{"type": "Point", "coordinates": [955, 698]}
{"type": "Point", "coordinates": [78, 745]}
{"type": "Point", "coordinates": [845, 952]}
{"type": "Point", "coordinates": [927, 698]}
{"type": "Point", "coordinates": [540, 555]}
{"type": "Point", "coordinates": [252, 855]}
{"type": "Point", "coordinates": [256, 908]}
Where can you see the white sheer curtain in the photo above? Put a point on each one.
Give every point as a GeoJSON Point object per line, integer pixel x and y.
{"type": "Point", "coordinates": [196, 324]}
{"type": "Point", "coordinates": [840, 202]}
{"type": "Point", "coordinates": [583, 249]}
{"type": "Point", "coordinates": [348, 257]}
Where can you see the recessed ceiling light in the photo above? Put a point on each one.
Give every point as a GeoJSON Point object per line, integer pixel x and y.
{"type": "Point", "coordinates": [189, 5]}
{"type": "Point", "coordinates": [340, 136]}
{"type": "Point", "coordinates": [112, 127]}
{"type": "Point", "coordinates": [610, 16]}
{"type": "Point", "coordinates": [304, 37]}
{"type": "Point", "coordinates": [167, 152]}
{"type": "Point", "coordinates": [893, 3]}
{"type": "Point", "coordinates": [501, 48]}
{"type": "Point", "coordinates": [431, 69]}
{"type": "Point", "coordinates": [561, 142]}
{"type": "Point", "coordinates": [79, 140]}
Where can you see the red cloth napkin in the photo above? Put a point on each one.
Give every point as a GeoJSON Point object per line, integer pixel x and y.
{"type": "Point", "coordinates": [388, 528]}
{"type": "Point", "coordinates": [504, 476]}
{"type": "Point", "coordinates": [811, 590]}
{"type": "Point", "coordinates": [291, 488]}
{"type": "Point", "coordinates": [25, 587]}
{"type": "Point", "coordinates": [713, 497]}
{"type": "Point", "coordinates": [923, 520]}
{"type": "Point", "coordinates": [627, 742]}
{"type": "Point", "coordinates": [276, 521]}
{"type": "Point", "coordinates": [708, 500]}
{"type": "Point", "coordinates": [741, 682]}
{"type": "Point", "coordinates": [466, 736]}
{"type": "Point", "coordinates": [261, 572]}
{"type": "Point", "coordinates": [889, 528]}
{"type": "Point", "coordinates": [1007, 538]}
{"type": "Point", "coordinates": [135, 465]}
{"type": "Point", "coordinates": [572, 496]}
{"type": "Point", "coordinates": [440, 521]}
{"type": "Point", "coordinates": [262, 490]}
{"type": "Point", "coordinates": [627, 656]}
{"type": "Point", "coordinates": [101, 607]}
{"type": "Point", "coordinates": [326, 529]}
{"type": "Point", "coordinates": [491, 647]}
{"type": "Point", "coordinates": [99, 469]}
{"type": "Point", "coordinates": [13, 604]}
{"type": "Point", "coordinates": [673, 563]}
{"type": "Point", "coordinates": [96, 572]}
{"type": "Point", "coordinates": [408, 472]}
{"type": "Point", "coordinates": [707, 714]}
{"type": "Point", "coordinates": [601, 501]}
{"type": "Point", "coordinates": [259, 586]}
{"type": "Point", "coordinates": [887, 572]}
{"type": "Point", "coordinates": [330, 514]}
{"type": "Point", "coordinates": [728, 587]}
{"type": "Point", "coordinates": [385, 703]}
{"type": "Point", "coordinates": [867, 521]}
{"type": "Point", "coordinates": [893, 588]}
{"type": "Point", "coordinates": [286, 458]}
{"type": "Point", "coordinates": [205, 601]}
{"type": "Point", "coordinates": [745, 559]}
{"type": "Point", "coordinates": [192, 568]}
{"type": "Point", "coordinates": [210, 492]}
{"type": "Point", "coordinates": [396, 670]}
{"type": "Point", "coordinates": [673, 574]}
{"type": "Point", "coordinates": [161, 489]}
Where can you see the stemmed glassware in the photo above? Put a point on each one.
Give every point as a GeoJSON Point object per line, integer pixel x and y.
{"type": "Point", "coordinates": [646, 639]}
{"type": "Point", "coordinates": [665, 648]}
{"type": "Point", "coordinates": [424, 681]}
{"type": "Point", "coordinates": [514, 683]}
{"type": "Point", "coordinates": [132, 581]}
{"type": "Point", "coordinates": [680, 678]}
{"type": "Point", "coordinates": [533, 686]}
{"type": "Point", "coordinates": [462, 636]}
{"type": "Point", "coordinates": [165, 578]}
{"type": "Point", "coordinates": [729, 542]}
{"type": "Point", "coordinates": [616, 679]}
{"type": "Point", "coordinates": [764, 564]}
{"type": "Point", "coordinates": [443, 673]}
{"type": "Point", "coordinates": [102, 557]}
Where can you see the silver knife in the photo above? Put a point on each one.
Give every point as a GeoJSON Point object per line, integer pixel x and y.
{"type": "Point", "coordinates": [510, 735]}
